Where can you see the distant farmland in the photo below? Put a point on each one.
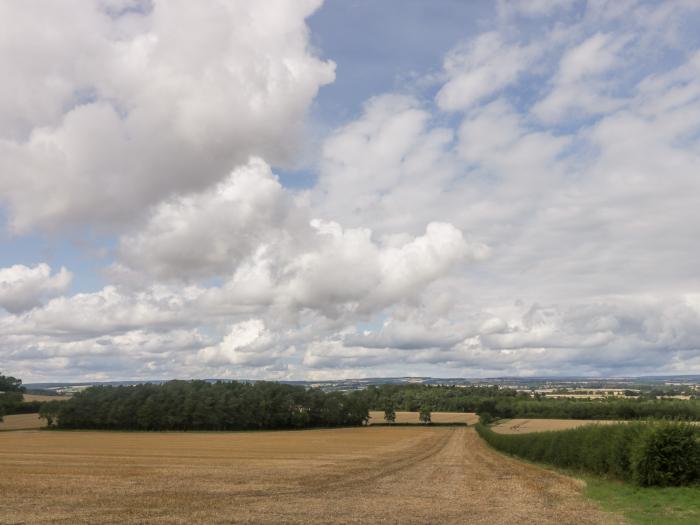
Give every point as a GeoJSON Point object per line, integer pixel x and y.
{"type": "Point", "coordinates": [469, 418]}
{"type": "Point", "coordinates": [37, 397]}
{"type": "Point", "coordinates": [411, 475]}
{"type": "Point", "coordinates": [21, 422]}
{"type": "Point", "coordinates": [523, 426]}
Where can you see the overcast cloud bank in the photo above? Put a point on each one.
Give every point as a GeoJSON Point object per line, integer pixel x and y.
{"type": "Point", "coordinates": [529, 207]}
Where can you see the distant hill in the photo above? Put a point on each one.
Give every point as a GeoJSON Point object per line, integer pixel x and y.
{"type": "Point", "coordinates": [357, 384]}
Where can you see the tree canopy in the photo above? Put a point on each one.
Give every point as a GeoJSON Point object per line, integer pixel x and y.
{"type": "Point", "coordinates": [201, 405]}
{"type": "Point", "coordinates": [11, 394]}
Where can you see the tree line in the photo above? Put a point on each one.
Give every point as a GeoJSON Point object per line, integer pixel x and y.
{"type": "Point", "coordinates": [201, 405]}
{"type": "Point", "coordinates": [508, 403]}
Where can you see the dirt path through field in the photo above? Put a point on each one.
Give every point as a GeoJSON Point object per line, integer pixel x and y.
{"type": "Point", "coordinates": [457, 480]}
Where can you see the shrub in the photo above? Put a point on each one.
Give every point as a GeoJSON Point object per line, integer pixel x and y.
{"type": "Point", "coordinates": [485, 418]}
{"type": "Point", "coordinates": [424, 415]}
{"type": "Point", "coordinates": [667, 454]}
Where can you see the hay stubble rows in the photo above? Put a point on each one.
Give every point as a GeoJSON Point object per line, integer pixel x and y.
{"type": "Point", "coordinates": [359, 475]}
{"type": "Point", "coordinates": [525, 426]}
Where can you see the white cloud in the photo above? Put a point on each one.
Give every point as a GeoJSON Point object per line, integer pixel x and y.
{"type": "Point", "coordinates": [380, 275]}
{"type": "Point", "coordinates": [248, 343]}
{"type": "Point", "coordinates": [106, 110]}
{"type": "Point", "coordinates": [481, 69]}
{"type": "Point", "coordinates": [560, 144]}
{"type": "Point", "coordinates": [581, 87]}
{"type": "Point", "coordinates": [533, 8]}
{"type": "Point", "coordinates": [255, 235]}
{"type": "Point", "coordinates": [23, 287]}
{"type": "Point", "coordinates": [387, 169]}
{"type": "Point", "coordinates": [210, 233]}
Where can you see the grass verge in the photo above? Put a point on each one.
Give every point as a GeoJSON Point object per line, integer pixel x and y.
{"type": "Point", "coordinates": [646, 505]}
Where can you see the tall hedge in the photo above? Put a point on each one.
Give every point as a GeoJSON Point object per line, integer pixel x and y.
{"type": "Point", "coordinates": [647, 453]}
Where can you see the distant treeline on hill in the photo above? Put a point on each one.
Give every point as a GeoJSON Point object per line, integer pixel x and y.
{"type": "Point", "coordinates": [200, 405]}
{"type": "Point", "coordinates": [508, 403]}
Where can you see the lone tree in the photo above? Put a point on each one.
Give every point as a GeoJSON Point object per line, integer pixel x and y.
{"type": "Point", "coordinates": [390, 413]}
{"type": "Point", "coordinates": [49, 411]}
{"type": "Point", "coordinates": [11, 391]}
{"type": "Point", "coordinates": [424, 415]}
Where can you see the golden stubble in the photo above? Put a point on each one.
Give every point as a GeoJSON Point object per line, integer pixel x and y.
{"type": "Point", "coordinates": [358, 475]}
{"type": "Point", "coordinates": [525, 426]}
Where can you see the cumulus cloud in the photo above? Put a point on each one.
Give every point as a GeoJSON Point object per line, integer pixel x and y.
{"type": "Point", "coordinates": [210, 233]}
{"type": "Point", "coordinates": [248, 343]}
{"type": "Point", "coordinates": [23, 287]}
{"type": "Point", "coordinates": [557, 156]}
{"type": "Point", "coordinates": [111, 107]}
{"type": "Point", "coordinates": [350, 269]}
{"type": "Point", "coordinates": [257, 236]}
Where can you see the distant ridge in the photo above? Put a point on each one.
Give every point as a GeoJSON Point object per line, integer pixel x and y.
{"type": "Point", "coordinates": [354, 384]}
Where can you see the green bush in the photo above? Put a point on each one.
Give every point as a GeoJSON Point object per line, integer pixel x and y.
{"type": "Point", "coordinates": [659, 453]}
{"type": "Point", "coordinates": [485, 418]}
{"type": "Point", "coordinates": [668, 454]}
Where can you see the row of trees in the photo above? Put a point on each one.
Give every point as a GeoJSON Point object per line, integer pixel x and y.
{"type": "Point", "coordinates": [591, 409]}
{"type": "Point", "coordinates": [424, 416]}
{"type": "Point", "coordinates": [507, 403]}
{"type": "Point", "coordinates": [200, 405]}
{"type": "Point", "coordinates": [413, 397]}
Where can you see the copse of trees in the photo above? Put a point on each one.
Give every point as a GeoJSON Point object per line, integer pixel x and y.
{"type": "Point", "coordinates": [200, 405]}
{"type": "Point", "coordinates": [437, 398]}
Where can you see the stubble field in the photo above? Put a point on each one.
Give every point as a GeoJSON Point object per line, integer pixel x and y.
{"type": "Point", "coordinates": [39, 397]}
{"type": "Point", "coordinates": [524, 426]}
{"type": "Point", "coordinates": [436, 417]}
{"type": "Point", "coordinates": [359, 475]}
{"type": "Point", "coordinates": [22, 422]}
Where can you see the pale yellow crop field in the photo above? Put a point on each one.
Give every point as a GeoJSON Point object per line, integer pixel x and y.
{"type": "Point", "coordinates": [436, 417]}
{"type": "Point", "coordinates": [523, 426]}
{"type": "Point", "coordinates": [37, 397]}
{"type": "Point", "coordinates": [21, 422]}
{"type": "Point", "coordinates": [407, 475]}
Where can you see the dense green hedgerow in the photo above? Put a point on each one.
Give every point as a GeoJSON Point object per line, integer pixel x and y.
{"type": "Point", "coordinates": [647, 453]}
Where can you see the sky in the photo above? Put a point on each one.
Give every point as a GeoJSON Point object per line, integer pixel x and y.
{"type": "Point", "coordinates": [351, 188]}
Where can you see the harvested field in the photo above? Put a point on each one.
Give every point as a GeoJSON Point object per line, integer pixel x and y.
{"type": "Point", "coordinates": [22, 422]}
{"type": "Point", "coordinates": [37, 397]}
{"type": "Point", "coordinates": [437, 417]}
{"type": "Point", "coordinates": [523, 426]}
{"type": "Point", "coordinates": [362, 475]}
